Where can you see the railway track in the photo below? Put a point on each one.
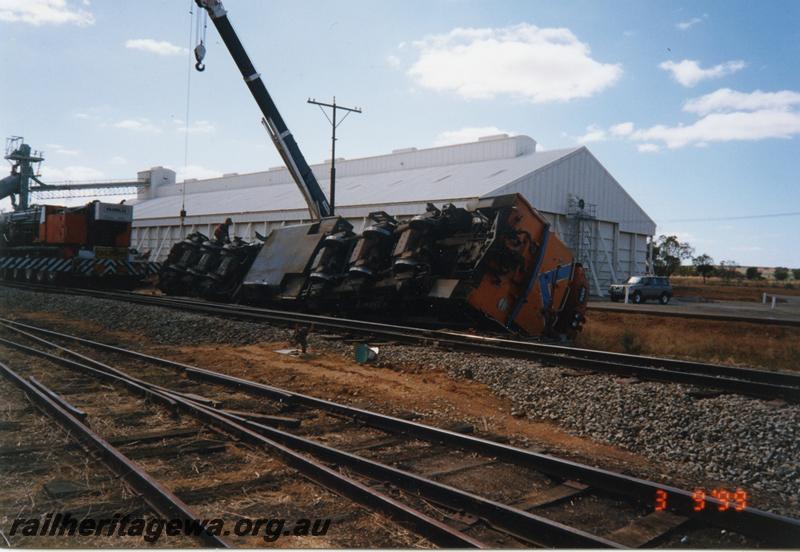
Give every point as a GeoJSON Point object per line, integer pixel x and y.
{"type": "Point", "coordinates": [746, 381]}
{"type": "Point", "coordinates": [449, 486]}
{"type": "Point", "coordinates": [663, 312]}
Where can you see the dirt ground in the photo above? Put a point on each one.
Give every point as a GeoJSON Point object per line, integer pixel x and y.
{"type": "Point", "coordinates": [116, 413]}
{"type": "Point", "coordinates": [439, 399]}
{"type": "Point", "coordinates": [434, 394]}
{"type": "Point", "coordinates": [734, 343]}
{"type": "Point", "coordinates": [430, 395]}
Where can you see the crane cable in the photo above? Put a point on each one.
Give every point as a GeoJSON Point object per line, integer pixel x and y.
{"type": "Point", "coordinates": [200, 49]}
{"type": "Point", "coordinates": [199, 54]}
{"type": "Point", "coordinates": [186, 119]}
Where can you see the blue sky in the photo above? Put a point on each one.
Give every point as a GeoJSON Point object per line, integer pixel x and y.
{"type": "Point", "coordinates": [694, 107]}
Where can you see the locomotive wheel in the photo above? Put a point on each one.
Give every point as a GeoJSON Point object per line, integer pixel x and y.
{"type": "Point", "coordinates": [51, 277]}
{"type": "Point", "coordinates": [41, 276]}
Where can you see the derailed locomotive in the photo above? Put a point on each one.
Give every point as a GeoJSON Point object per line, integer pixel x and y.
{"type": "Point", "coordinates": [494, 261]}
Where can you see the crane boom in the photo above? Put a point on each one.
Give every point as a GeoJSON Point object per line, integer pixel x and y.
{"type": "Point", "coordinates": [287, 147]}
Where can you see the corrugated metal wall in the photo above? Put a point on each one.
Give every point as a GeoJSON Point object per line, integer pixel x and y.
{"type": "Point", "coordinates": [611, 239]}
{"type": "Point", "coordinates": [581, 175]}
{"type": "Point", "coordinates": [608, 254]}
{"type": "Point", "coordinates": [613, 258]}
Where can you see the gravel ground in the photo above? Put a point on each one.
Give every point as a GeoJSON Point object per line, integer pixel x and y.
{"type": "Point", "coordinates": [750, 443]}
{"type": "Point", "coordinates": [743, 442]}
{"type": "Point", "coordinates": [162, 326]}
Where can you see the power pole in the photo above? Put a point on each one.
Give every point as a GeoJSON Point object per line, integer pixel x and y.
{"type": "Point", "coordinates": [334, 125]}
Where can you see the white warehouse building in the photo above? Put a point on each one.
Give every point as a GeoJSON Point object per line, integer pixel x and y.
{"type": "Point", "coordinates": [585, 205]}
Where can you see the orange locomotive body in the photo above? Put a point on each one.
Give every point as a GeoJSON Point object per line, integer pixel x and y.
{"type": "Point", "coordinates": [547, 292]}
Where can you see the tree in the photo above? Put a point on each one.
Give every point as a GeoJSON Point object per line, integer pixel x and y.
{"type": "Point", "coordinates": [684, 270]}
{"type": "Point", "coordinates": [796, 273]}
{"type": "Point", "coordinates": [668, 253]}
{"type": "Point", "coordinates": [753, 273]}
{"type": "Point", "coordinates": [781, 273]}
{"type": "Point", "coordinates": [728, 270]}
{"type": "Point", "coordinates": [703, 265]}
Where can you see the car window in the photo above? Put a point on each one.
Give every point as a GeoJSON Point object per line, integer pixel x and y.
{"type": "Point", "coordinates": [634, 279]}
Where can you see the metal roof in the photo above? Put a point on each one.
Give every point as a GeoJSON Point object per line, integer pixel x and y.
{"type": "Point", "coordinates": [439, 175]}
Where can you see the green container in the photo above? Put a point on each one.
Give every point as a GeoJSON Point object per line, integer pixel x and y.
{"type": "Point", "coordinates": [365, 354]}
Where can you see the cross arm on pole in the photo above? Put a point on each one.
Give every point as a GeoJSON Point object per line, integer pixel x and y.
{"type": "Point", "coordinates": [334, 125]}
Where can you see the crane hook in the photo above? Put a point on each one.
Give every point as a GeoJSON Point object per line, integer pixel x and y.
{"type": "Point", "coordinates": [199, 54]}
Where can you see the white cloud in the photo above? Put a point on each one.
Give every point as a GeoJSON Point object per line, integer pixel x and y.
{"type": "Point", "coordinates": [119, 160]}
{"type": "Point", "coordinates": [648, 148]}
{"type": "Point", "coordinates": [523, 61]}
{"type": "Point", "coordinates": [688, 72]}
{"type": "Point", "coordinates": [196, 171]}
{"type": "Point", "coordinates": [159, 47]}
{"type": "Point", "coordinates": [44, 12]}
{"type": "Point", "coordinates": [138, 125]}
{"type": "Point", "coordinates": [393, 61]}
{"type": "Point", "coordinates": [71, 173]}
{"type": "Point", "coordinates": [729, 115]}
{"type": "Point", "coordinates": [197, 127]}
{"type": "Point", "coordinates": [724, 127]}
{"type": "Point", "coordinates": [61, 150]}
{"type": "Point", "coordinates": [92, 114]}
{"type": "Point", "coordinates": [466, 134]}
{"type": "Point", "coordinates": [726, 99]}
{"type": "Point", "coordinates": [593, 134]}
{"type": "Point", "coordinates": [621, 129]}
{"type": "Point", "coordinates": [689, 23]}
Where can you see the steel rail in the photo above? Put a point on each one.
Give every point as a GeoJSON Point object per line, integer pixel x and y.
{"type": "Point", "coordinates": [497, 345]}
{"type": "Point", "coordinates": [415, 520]}
{"type": "Point", "coordinates": [158, 497]}
{"type": "Point", "coordinates": [424, 525]}
{"type": "Point", "coordinates": [763, 320]}
{"type": "Point", "coordinates": [130, 384]}
{"type": "Point", "coordinates": [774, 528]}
{"type": "Point", "coordinates": [521, 524]}
{"type": "Point", "coordinates": [746, 381]}
{"type": "Point", "coordinates": [440, 336]}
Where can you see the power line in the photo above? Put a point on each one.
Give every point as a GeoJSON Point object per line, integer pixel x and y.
{"type": "Point", "coordinates": [738, 217]}
{"type": "Point", "coordinates": [713, 219]}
